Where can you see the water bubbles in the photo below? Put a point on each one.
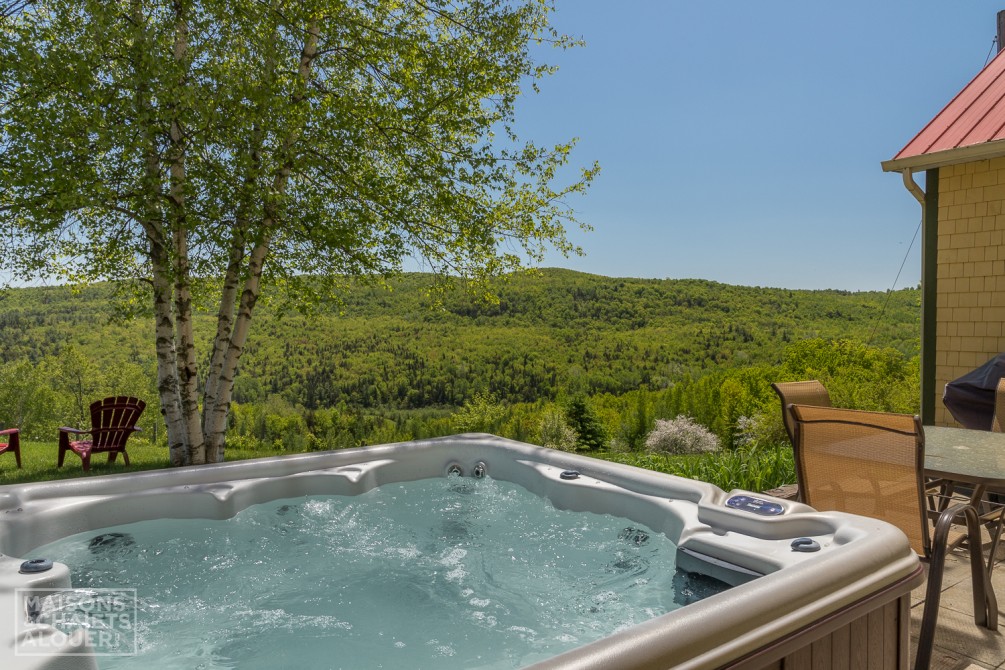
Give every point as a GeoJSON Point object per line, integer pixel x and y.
{"type": "Point", "coordinates": [635, 565]}
{"type": "Point", "coordinates": [485, 619]}
{"type": "Point", "coordinates": [107, 542]}
{"type": "Point", "coordinates": [449, 573]}
{"type": "Point", "coordinates": [440, 649]}
{"type": "Point", "coordinates": [455, 530]}
{"type": "Point", "coordinates": [691, 587]}
{"type": "Point", "coordinates": [632, 535]}
{"type": "Point", "coordinates": [462, 486]}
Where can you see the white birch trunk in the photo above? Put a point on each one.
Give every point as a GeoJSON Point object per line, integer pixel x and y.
{"type": "Point", "coordinates": [215, 419]}
{"type": "Point", "coordinates": [167, 362]}
{"type": "Point", "coordinates": [185, 355]}
{"type": "Point", "coordinates": [167, 369]}
{"type": "Point", "coordinates": [212, 431]}
{"type": "Point", "coordinates": [221, 343]}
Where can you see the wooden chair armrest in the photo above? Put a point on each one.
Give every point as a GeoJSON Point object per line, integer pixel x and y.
{"type": "Point", "coordinates": [76, 431]}
{"type": "Point", "coordinates": [10, 431]}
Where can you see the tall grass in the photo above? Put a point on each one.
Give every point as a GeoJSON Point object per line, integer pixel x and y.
{"type": "Point", "coordinates": [751, 470]}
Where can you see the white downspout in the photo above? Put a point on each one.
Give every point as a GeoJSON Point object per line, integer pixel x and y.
{"type": "Point", "coordinates": [927, 296]}
{"type": "Point", "coordinates": [912, 186]}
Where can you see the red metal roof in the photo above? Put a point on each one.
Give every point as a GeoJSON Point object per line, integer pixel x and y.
{"type": "Point", "coordinates": [975, 116]}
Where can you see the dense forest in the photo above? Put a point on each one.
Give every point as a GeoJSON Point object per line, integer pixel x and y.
{"type": "Point", "coordinates": [397, 362]}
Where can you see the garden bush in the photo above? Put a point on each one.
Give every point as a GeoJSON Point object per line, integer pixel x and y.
{"type": "Point", "coordinates": [762, 430]}
{"type": "Point", "coordinates": [682, 435]}
{"type": "Point", "coordinates": [555, 431]}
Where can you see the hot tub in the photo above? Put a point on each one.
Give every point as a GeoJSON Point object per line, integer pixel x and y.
{"type": "Point", "coordinates": [808, 586]}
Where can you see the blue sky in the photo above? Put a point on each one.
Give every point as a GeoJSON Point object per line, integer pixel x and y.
{"type": "Point", "coordinates": [741, 141]}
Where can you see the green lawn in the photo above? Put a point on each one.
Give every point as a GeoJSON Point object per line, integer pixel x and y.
{"type": "Point", "coordinates": [38, 461]}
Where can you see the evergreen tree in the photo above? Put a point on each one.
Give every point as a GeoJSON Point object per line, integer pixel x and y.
{"type": "Point", "coordinates": [580, 416]}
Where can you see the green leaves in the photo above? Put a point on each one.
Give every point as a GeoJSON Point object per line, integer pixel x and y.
{"type": "Point", "coordinates": [386, 136]}
{"type": "Point", "coordinates": [225, 148]}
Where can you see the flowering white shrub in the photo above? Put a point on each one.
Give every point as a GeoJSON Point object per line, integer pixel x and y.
{"type": "Point", "coordinates": [682, 435]}
{"type": "Point", "coordinates": [746, 427]}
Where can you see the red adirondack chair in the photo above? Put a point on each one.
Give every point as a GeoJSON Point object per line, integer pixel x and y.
{"type": "Point", "coordinates": [13, 443]}
{"type": "Point", "coordinates": [113, 420]}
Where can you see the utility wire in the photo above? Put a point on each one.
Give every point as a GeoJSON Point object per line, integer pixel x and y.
{"type": "Point", "coordinates": [994, 41]}
{"type": "Point", "coordinates": [889, 292]}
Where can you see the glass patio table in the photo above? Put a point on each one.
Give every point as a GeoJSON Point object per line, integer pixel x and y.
{"type": "Point", "coordinates": [974, 459]}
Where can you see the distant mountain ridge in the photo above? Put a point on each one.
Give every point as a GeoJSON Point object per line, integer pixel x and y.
{"type": "Point", "coordinates": [558, 330]}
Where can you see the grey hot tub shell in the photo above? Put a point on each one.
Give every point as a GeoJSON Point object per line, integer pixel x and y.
{"type": "Point", "coordinates": [862, 574]}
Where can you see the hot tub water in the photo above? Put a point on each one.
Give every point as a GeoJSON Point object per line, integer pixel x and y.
{"type": "Point", "coordinates": [439, 573]}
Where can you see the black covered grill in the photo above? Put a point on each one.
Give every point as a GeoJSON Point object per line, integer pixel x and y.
{"type": "Point", "coordinates": [971, 398]}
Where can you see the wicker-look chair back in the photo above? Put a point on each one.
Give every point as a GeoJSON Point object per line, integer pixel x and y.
{"type": "Point", "coordinates": [867, 463]}
{"type": "Point", "coordinates": [809, 392]}
{"type": "Point", "coordinates": [998, 421]}
{"type": "Point", "coordinates": [873, 464]}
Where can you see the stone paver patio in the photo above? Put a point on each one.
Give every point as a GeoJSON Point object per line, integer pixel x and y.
{"type": "Point", "coordinates": [959, 643]}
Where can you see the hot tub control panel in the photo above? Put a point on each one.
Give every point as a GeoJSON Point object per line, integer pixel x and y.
{"type": "Point", "coordinates": [754, 505]}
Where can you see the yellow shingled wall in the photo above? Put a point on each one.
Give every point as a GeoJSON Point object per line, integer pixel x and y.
{"type": "Point", "coordinates": [970, 315]}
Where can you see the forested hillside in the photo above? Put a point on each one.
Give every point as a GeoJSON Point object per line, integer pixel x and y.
{"type": "Point", "coordinates": [565, 359]}
{"type": "Point", "coordinates": [562, 330]}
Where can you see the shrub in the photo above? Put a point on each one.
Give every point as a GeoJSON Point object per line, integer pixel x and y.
{"type": "Point", "coordinates": [756, 470]}
{"type": "Point", "coordinates": [478, 415]}
{"type": "Point", "coordinates": [555, 432]}
{"type": "Point", "coordinates": [243, 443]}
{"type": "Point", "coordinates": [682, 435]}
{"type": "Point", "coordinates": [762, 430]}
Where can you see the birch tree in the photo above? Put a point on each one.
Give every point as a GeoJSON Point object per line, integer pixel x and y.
{"type": "Point", "coordinates": [216, 152]}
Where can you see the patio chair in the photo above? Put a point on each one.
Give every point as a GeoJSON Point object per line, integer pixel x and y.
{"type": "Point", "coordinates": [809, 392]}
{"type": "Point", "coordinates": [998, 421]}
{"type": "Point", "coordinates": [13, 444]}
{"type": "Point", "coordinates": [113, 420]}
{"type": "Point", "coordinates": [872, 464]}
{"type": "Point", "coordinates": [995, 498]}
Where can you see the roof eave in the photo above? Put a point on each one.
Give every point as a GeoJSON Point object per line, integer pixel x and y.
{"type": "Point", "coordinates": [974, 152]}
